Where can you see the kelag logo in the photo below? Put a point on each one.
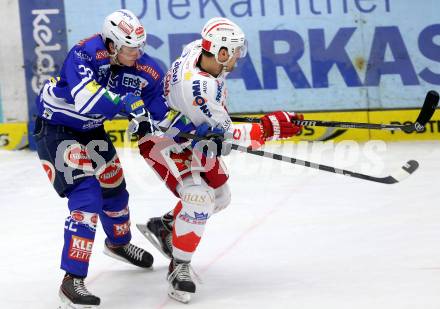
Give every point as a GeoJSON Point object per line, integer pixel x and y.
{"type": "Point", "coordinates": [44, 43]}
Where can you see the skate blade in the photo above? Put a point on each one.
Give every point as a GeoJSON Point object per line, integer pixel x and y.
{"type": "Point", "coordinates": [67, 304]}
{"type": "Point", "coordinates": [120, 258]}
{"type": "Point", "coordinates": [180, 296]}
{"type": "Point", "coordinates": [151, 238]}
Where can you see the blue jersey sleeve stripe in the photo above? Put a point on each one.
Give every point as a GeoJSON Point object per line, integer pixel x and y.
{"type": "Point", "coordinates": [66, 112]}
{"type": "Point", "coordinates": [54, 100]}
{"type": "Point", "coordinates": [85, 95]}
{"type": "Point", "coordinates": [93, 101]}
{"type": "Point", "coordinates": [80, 86]}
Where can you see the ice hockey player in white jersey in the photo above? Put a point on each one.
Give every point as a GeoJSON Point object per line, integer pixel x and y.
{"type": "Point", "coordinates": [195, 88]}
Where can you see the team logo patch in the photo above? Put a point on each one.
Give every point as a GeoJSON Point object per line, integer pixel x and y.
{"type": "Point", "coordinates": [187, 76]}
{"type": "Point", "coordinates": [86, 218]}
{"type": "Point", "coordinates": [120, 230]}
{"type": "Point", "coordinates": [182, 160]}
{"type": "Point", "coordinates": [175, 72]}
{"type": "Point", "coordinates": [80, 249]}
{"type": "Point", "coordinates": [195, 199]}
{"type": "Point", "coordinates": [199, 100]}
{"type": "Point", "coordinates": [197, 219]}
{"type": "Point", "coordinates": [237, 134]}
{"type": "Point", "coordinates": [117, 214]}
{"type": "Point", "coordinates": [111, 175]}
{"type": "Point", "coordinates": [139, 31]}
{"type": "Point", "coordinates": [93, 86]}
{"type": "Point", "coordinates": [102, 54]}
{"type": "Point", "coordinates": [134, 81]}
{"type": "Point", "coordinates": [82, 56]}
{"type": "Point", "coordinates": [125, 27]}
{"type": "Point", "coordinates": [77, 216]}
{"type": "Point", "coordinates": [76, 156]}
{"type": "Point", "coordinates": [219, 91]}
{"type": "Point", "coordinates": [49, 169]}
{"type": "Point", "coordinates": [166, 87]}
{"type": "Point", "coordinates": [200, 216]}
{"type": "Point", "coordinates": [148, 69]}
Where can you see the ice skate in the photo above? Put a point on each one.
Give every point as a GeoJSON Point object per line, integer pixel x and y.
{"type": "Point", "coordinates": [181, 284]}
{"type": "Point", "coordinates": [131, 254]}
{"type": "Point", "coordinates": [158, 231]}
{"type": "Point", "coordinates": [74, 294]}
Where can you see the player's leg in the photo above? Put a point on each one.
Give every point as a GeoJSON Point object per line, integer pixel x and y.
{"type": "Point", "coordinates": [190, 216]}
{"type": "Point", "coordinates": [115, 213]}
{"type": "Point", "coordinates": [201, 194]}
{"type": "Point", "coordinates": [169, 166]}
{"type": "Point", "coordinates": [69, 169]}
{"type": "Point", "coordinates": [158, 229]}
{"type": "Point", "coordinates": [188, 219]}
{"type": "Point", "coordinates": [222, 197]}
{"type": "Point", "coordinates": [85, 201]}
{"type": "Point", "coordinates": [216, 176]}
{"type": "Point", "coordinates": [115, 218]}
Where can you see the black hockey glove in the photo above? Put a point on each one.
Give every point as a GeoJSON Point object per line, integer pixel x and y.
{"type": "Point", "coordinates": [141, 125]}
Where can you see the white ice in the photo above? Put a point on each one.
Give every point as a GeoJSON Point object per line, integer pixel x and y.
{"type": "Point", "coordinates": [292, 237]}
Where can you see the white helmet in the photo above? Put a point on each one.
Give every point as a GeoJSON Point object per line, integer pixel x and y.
{"type": "Point", "coordinates": [220, 32]}
{"type": "Point", "coordinates": [124, 29]}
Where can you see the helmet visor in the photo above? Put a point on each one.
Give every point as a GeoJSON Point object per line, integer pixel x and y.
{"type": "Point", "coordinates": [241, 51]}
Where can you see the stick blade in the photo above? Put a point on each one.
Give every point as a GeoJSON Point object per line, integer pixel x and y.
{"type": "Point", "coordinates": [428, 109]}
{"type": "Point", "coordinates": [402, 173]}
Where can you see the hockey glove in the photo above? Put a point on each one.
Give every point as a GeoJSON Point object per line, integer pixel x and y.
{"type": "Point", "coordinates": [184, 127]}
{"type": "Point", "coordinates": [133, 105]}
{"type": "Point", "coordinates": [211, 143]}
{"type": "Point", "coordinates": [141, 125]}
{"type": "Point", "coordinates": [279, 125]}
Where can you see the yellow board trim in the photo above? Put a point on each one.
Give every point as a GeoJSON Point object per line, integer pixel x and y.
{"type": "Point", "coordinates": [432, 129]}
{"type": "Point", "coordinates": [13, 136]}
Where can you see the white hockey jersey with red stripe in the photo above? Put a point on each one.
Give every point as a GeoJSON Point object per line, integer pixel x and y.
{"type": "Point", "coordinates": [201, 97]}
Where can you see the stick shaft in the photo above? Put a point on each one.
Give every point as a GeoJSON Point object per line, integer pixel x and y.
{"type": "Point", "coordinates": [335, 124]}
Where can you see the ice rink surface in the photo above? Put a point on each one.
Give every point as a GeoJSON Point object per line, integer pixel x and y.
{"type": "Point", "coordinates": [291, 238]}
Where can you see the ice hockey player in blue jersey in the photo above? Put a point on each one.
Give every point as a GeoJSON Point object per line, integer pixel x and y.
{"type": "Point", "coordinates": [102, 76]}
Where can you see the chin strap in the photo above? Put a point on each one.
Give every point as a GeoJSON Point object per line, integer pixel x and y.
{"type": "Point", "coordinates": [114, 58]}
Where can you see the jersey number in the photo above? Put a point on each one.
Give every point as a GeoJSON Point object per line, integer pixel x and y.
{"type": "Point", "coordinates": [85, 71]}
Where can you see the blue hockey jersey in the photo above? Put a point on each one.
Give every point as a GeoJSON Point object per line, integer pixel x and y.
{"type": "Point", "coordinates": [89, 89]}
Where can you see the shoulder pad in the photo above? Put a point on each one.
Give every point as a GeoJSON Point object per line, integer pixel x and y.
{"type": "Point", "coordinates": [93, 47]}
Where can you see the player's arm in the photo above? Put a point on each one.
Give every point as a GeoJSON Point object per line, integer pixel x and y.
{"type": "Point", "coordinates": [154, 100]}
{"type": "Point", "coordinates": [89, 96]}
{"type": "Point", "coordinates": [159, 113]}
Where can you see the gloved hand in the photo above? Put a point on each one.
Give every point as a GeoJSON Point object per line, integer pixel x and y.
{"type": "Point", "coordinates": [141, 125]}
{"type": "Point", "coordinates": [133, 105]}
{"type": "Point", "coordinates": [212, 143]}
{"type": "Point", "coordinates": [279, 125]}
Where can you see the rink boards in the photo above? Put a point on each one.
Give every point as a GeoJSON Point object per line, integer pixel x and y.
{"type": "Point", "coordinates": [13, 136]}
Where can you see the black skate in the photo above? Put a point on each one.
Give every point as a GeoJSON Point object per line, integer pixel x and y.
{"type": "Point", "coordinates": [73, 294]}
{"type": "Point", "coordinates": [130, 254]}
{"type": "Point", "coordinates": [181, 284]}
{"type": "Point", "coordinates": [158, 231]}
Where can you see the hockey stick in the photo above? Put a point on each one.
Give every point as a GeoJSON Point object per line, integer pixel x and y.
{"type": "Point", "coordinates": [396, 176]}
{"type": "Point", "coordinates": [428, 109]}
{"type": "Point", "coordinates": [400, 174]}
